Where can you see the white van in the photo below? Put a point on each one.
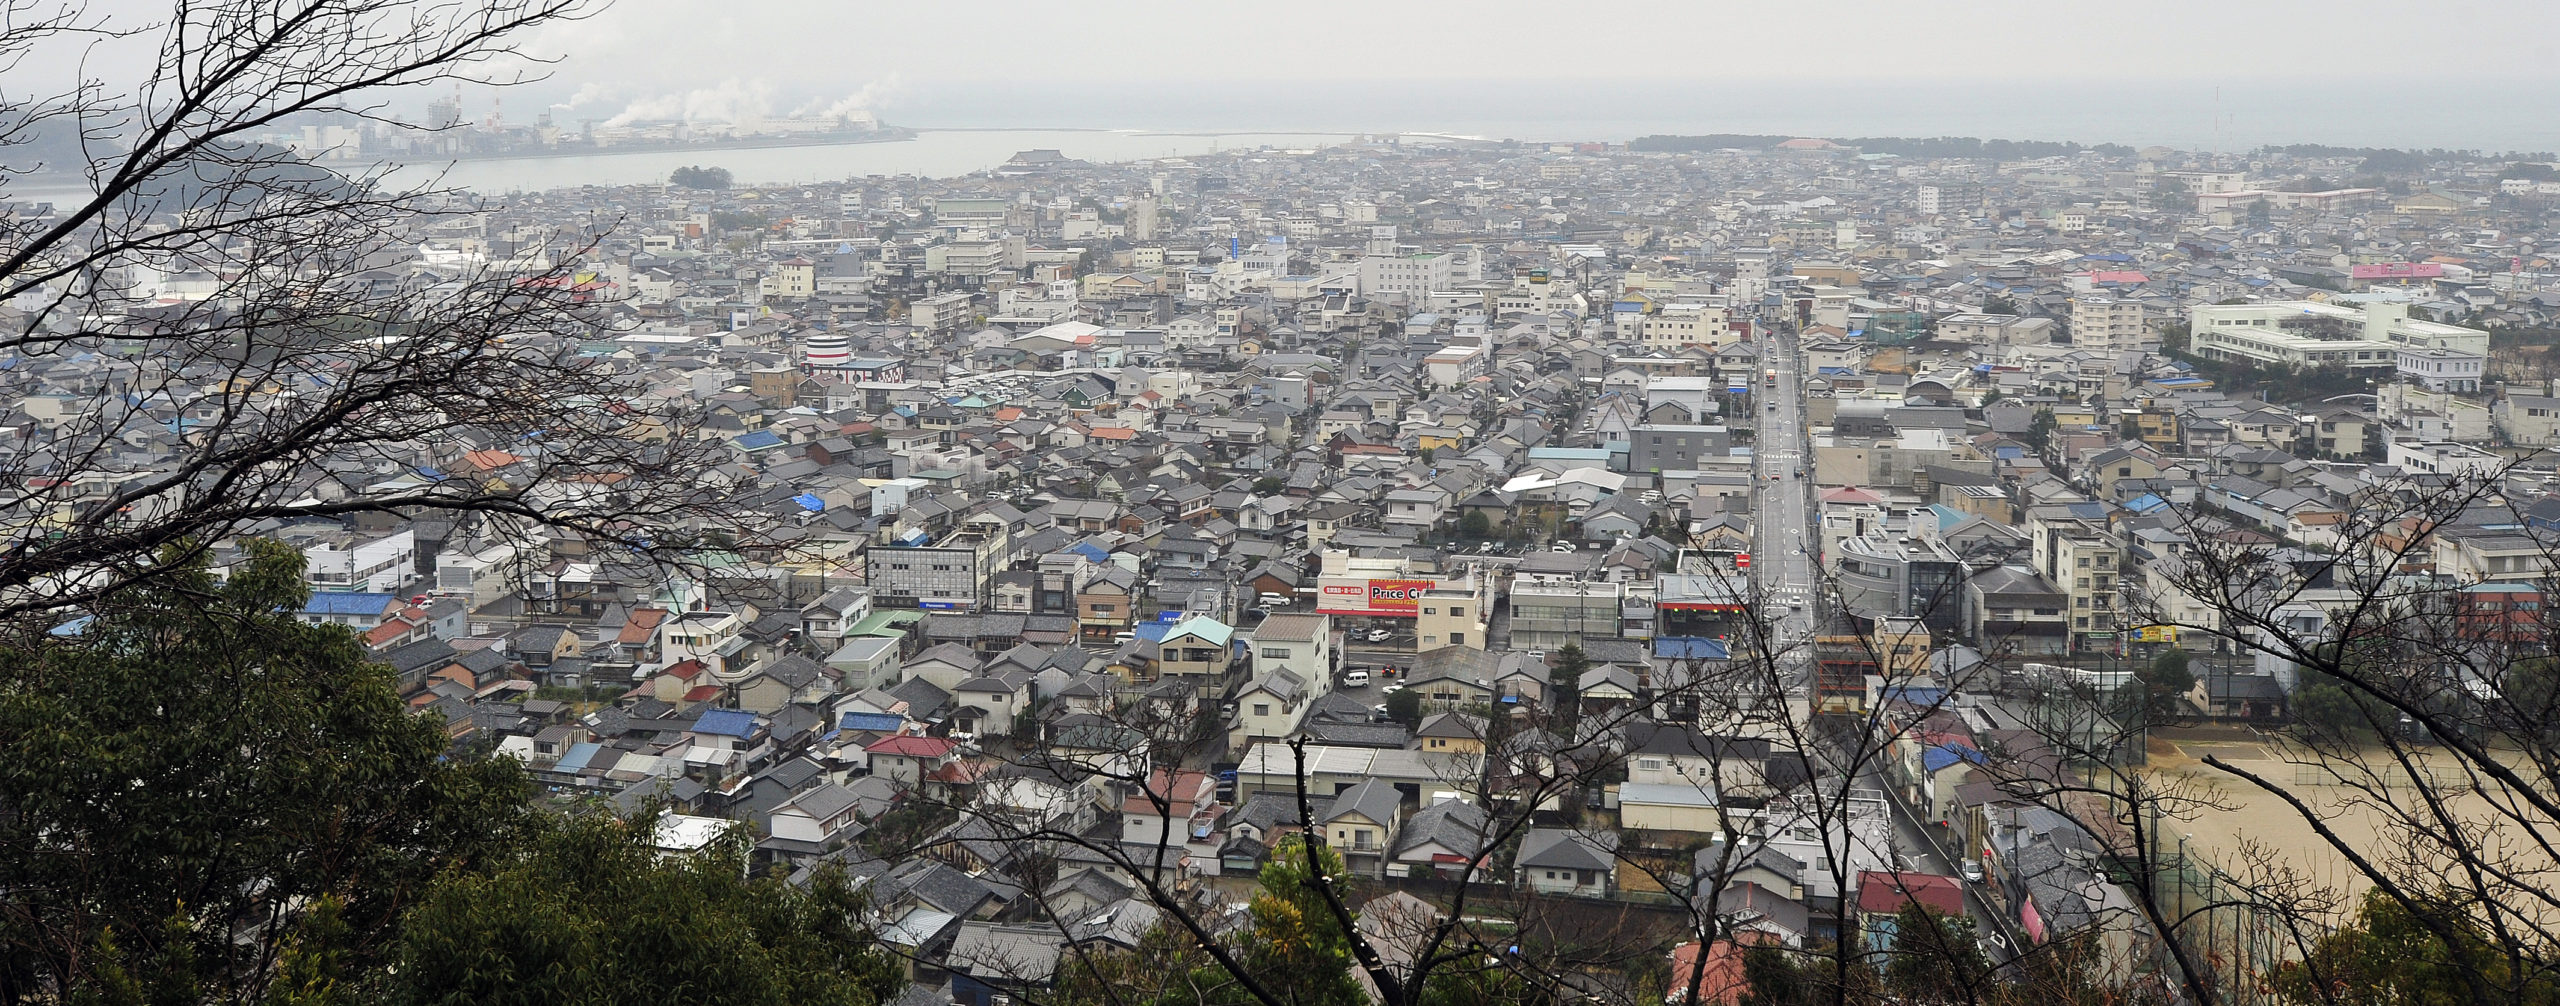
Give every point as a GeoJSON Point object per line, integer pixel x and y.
{"type": "Point", "coordinates": [1356, 678]}
{"type": "Point", "coordinates": [1275, 600]}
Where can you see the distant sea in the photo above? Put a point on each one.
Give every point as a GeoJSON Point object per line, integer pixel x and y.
{"type": "Point", "coordinates": [1116, 122]}
{"type": "Point", "coordinates": [972, 127]}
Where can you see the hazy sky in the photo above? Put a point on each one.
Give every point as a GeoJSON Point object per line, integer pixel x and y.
{"type": "Point", "coordinates": [641, 42]}
{"type": "Point", "coordinates": [2274, 70]}
{"type": "Point", "coordinates": [924, 61]}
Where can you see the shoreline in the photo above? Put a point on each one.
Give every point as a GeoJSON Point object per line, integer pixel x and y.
{"type": "Point", "coordinates": [886, 135]}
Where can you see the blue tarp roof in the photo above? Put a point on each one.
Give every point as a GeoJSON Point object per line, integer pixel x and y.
{"type": "Point", "coordinates": [725, 722]}
{"type": "Point", "coordinates": [1090, 551]}
{"type": "Point", "coordinates": [874, 722]}
{"type": "Point", "coordinates": [1690, 648]}
{"type": "Point", "coordinates": [349, 604]}
{"type": "Point", "coordinates": [1916, 695]}
{"type": "Point", "coordinates": [578, 756]}
{"type": "Point", "coordinates": [1948, 754]}
{"type": "Point", "coordinates": [758, 440]}
{"type": "Point", "coordinates": [810, 502]}
{"type": "Point", "coordinates": [2145, 503]}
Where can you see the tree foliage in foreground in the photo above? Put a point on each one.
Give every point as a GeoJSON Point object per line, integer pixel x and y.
{"type": "Point", "coordinates": [193, 771]}
{"type": "Point", "coordinates": [590, 913]}
{"type": "Point", "coordinates": [209, 801]}
{"type": "Point", "coordinates": [1291, 944]}
{"type": "Point", "coordinates": [2392, 956]}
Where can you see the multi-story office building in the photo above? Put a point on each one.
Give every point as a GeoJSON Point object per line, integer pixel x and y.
{"type": "Point", "coordinates": [2084, 560]}
{"type": "Point", "coordinates": [1676, 448]}
{"type": "Point", "coordinates": [1910, 577]}
{"type": "Point", "coordinates": [1547, 615]}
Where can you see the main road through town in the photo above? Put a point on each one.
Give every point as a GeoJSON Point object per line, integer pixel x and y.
{"type": "Point", "coordinates": [1782, 565]}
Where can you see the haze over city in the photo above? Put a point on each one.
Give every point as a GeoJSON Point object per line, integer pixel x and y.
{"type": "Point", "coordinates": [1130, 503]}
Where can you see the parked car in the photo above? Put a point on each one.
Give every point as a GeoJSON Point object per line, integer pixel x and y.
{"type": "Point", "coordinates": [1378, 714]}
{"type": "Point", "coordinates": [1379, 635]}
{"type": "Point", "coordinates": [1356, 678]}
{"type": "Point", "coordinates": [1972, 872]}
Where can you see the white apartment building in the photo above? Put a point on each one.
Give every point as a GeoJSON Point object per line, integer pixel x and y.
{"type": "Point", "coordinates": [1689, 323]}
{"type": "Point", "coordinates": [2310, 334]}
{"type": "Point", "coordinates": [1416, 274]}
{"type": "Point", "coordinates": [2105, 323]}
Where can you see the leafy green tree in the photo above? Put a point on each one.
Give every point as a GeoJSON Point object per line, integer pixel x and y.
{"type": "Point", "coordinates": [2159, 688]}
{"type": "Point", "coordinates": [1775, 978]}
{"type": "Point", "coordinates": [591, 912]}
{"type": "Point", "coordinates": [2393, 956]}
{"type": "Point", "coordinates": [1569, 664]}
{"type": "Point", "coordinates": [1935, 959]}
{"type": "Point", "coordinates": [1298, 949]}
{"type": "Point", "coordinates": [1166, 968]}
{"type": "Point", "coordinates": [1565, 673]}
{"type": "Point", "coordinates": [2324, 709]}
{"type": "Point", "coordinates": [1405, 707]}
{"type": "Point", "coordinates": [198, 785]}
{"type": "Point", "coordinates": [1475, 525]}
{"type": "Point", "coordinates": [2040, 429]}
{"type": "Point", "coordinates": [697, 177]}
{"type": "Point", "coordinates": [1269, 485]}
{"type": "Point", "coordinates": [2174, 196]}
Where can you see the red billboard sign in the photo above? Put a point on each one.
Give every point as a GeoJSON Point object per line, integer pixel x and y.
{"type": "Point", "coordinates": [1372, 597]}
{"type": "Point", "coordinates": [2397, 270]}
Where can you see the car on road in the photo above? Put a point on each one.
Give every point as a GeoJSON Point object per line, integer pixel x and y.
{"type": "Point", "coordinates": [1972, 872]}
{"type": "Point", "coordinates": [1773, 476]}
{"type": "Point", "coordinates": [1378, 635]}
{"type": "Point", "coordinates": [1356, 678]}
{"type": "Point", "coordinates": [1773, 406]}
{"type": "Point", "coordinates": [1562, 546]}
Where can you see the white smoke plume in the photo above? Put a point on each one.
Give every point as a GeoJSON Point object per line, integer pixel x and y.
{"type": "Point", "coordinates": [733, 102]}
{"type": "Point", "coordinates": [865, 100]}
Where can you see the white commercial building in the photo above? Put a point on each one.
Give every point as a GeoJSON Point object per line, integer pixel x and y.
{"type": "Point", "coordinates": [1689, 323]}
{"type": "Point", "coordinates": [2311, 334]}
